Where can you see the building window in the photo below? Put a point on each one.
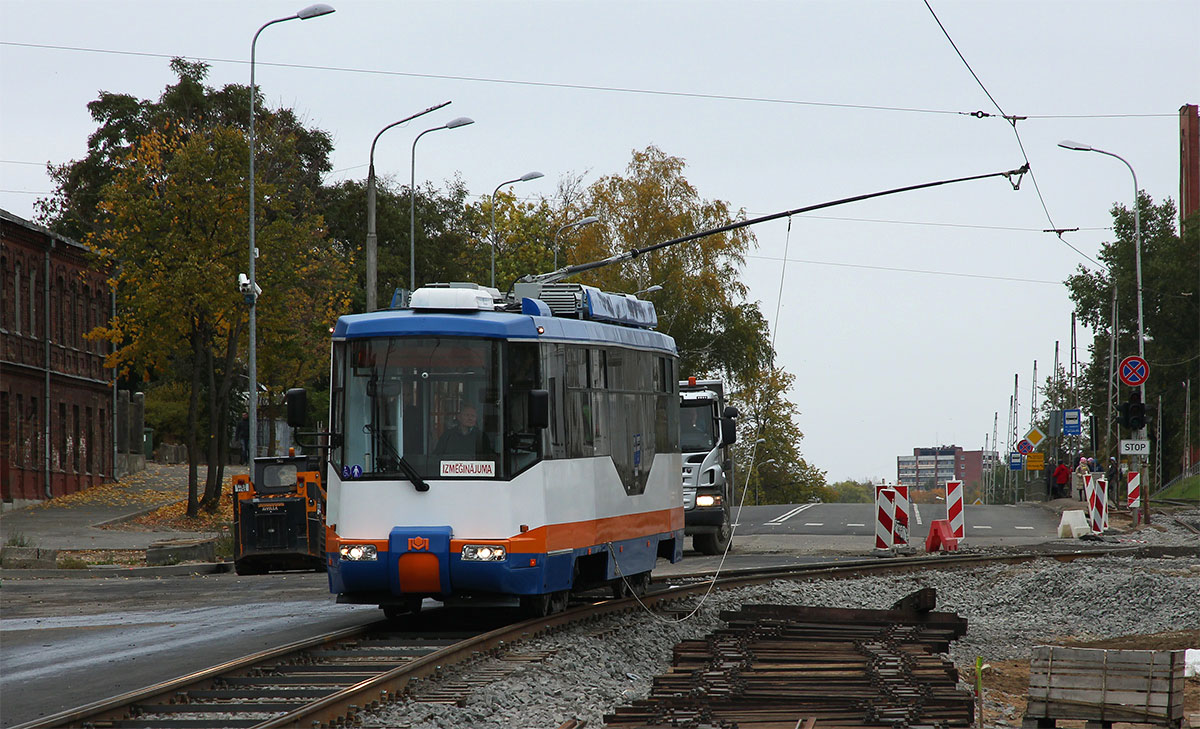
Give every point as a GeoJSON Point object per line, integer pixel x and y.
{"type": "Point", "coordinates": [17, 300]}
{"type": "Point", "coordinates": [32, 302]}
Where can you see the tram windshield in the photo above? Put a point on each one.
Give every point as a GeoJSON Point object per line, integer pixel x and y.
{"type": "Point", "coordinates": [697, 431]}
{"type": "Point", "coordinates": [442, 407]}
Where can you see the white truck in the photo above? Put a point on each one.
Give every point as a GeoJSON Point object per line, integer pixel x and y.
{"type": "Point", "coordinates": [707, 430]}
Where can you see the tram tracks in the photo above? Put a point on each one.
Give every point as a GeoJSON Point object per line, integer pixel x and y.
{"type": "Point", "coordinates": [332, 679]}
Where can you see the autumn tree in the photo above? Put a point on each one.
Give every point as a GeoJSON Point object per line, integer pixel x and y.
{"type": "Point", "coordinates": [161, 198]}
{"type": "Point", "coordinates": [767, 414]}
{"type": "Point", "coordinates": [702, 303]}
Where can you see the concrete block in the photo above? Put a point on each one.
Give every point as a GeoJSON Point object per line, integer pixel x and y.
{"type": "Point", "coordinates": [28, 558]}
{"type": "Point", "coordinates": [1074, 524]}
{"type": "Point", "coordinates": [174, 551]}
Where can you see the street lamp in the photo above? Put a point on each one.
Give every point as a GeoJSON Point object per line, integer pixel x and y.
{"type": "Point", "coordinates": [312, 11]}
{"type": "Point", "coordinates": [1137, 252]}
{"type": "Point", "coordinates": [648, 290]}
{"type": "Point", "coordinates": [523, 178]}
{"type": "Point", "coordinates": [372, 256]}
{"type": "Point", "coordinates": [461, 121]}
{"type": "Point", "coordinates": [758, 478]}
{"type": "Point", "coordinates": [577, 224]}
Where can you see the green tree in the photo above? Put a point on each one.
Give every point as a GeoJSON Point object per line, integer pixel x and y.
{"type": "Point", "coordinates": [767, 414]}
{"type": "Point", "coordinates": [161, 198]}
{"type": "Point", "coordinates": [1171, 314]}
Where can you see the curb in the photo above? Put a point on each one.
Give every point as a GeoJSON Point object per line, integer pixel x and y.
{"type": "Point", "coordinates": [175, 570]}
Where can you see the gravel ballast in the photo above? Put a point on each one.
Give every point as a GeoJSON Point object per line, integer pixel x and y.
{"type": "Point", "coordinates": [1009, 609]}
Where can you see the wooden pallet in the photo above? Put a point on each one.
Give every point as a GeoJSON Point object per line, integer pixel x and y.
{"type": "Point", "coordinates": [1105, 686]}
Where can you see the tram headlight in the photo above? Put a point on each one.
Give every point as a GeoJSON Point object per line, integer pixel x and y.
{"type": "Point", "coordinates": [359, 552]}
{"type": "Point", "coordinates": [483, 553]}
{"type": "Point", "coordinates": [708, 500]}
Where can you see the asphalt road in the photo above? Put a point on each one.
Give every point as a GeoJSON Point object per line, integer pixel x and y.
{"type": "Point", "coordinates": [848, 520]}
{"type": "Point", "coordinates": [71, 641]}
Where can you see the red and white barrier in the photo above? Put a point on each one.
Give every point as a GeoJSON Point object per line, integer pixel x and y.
{"type": "Point", "coordinates": [1095, 515]}
{"type": "Point", "coordinates": [1102, 496]}
{"type": "Point", "coordinates": [1134, 481]}
{"type": "Point", "coordinates": [885, 517]}
{"type": "Point", "coordinates": [900, 529]}
{"type": "Point", "coordinates": [954, 509]}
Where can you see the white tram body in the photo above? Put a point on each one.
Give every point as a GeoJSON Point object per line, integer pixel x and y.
{"type": "Point", "coordinates": [574, 476]}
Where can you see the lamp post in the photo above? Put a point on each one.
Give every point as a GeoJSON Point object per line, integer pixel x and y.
{"type": "Point", "coordinates": [523, 178]}
{"type": "Point", "coordinates": [372, 255]}
{"type": "Point", "coordinates": [312, 11]}
{"type": "Point", "coordinates": [758, 478]}
{"type": "Point", "coordinates": [461, 121]}
{"type": "Point", "coordinates": [577, 224]}
{"type": "Point", "coordinates": [1137, 254]}
{"type": "Point", "coordinates": [648, 290]}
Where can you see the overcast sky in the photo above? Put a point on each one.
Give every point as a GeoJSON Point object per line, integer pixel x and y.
{"type": "Point", "coordinates": [903, 319]}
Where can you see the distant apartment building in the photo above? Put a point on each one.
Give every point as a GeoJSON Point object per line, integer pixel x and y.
{"type": "Point", "coordinates": [929, 468]}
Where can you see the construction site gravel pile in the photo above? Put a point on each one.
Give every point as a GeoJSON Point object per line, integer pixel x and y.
{"type": "Point", "coordinates": [1009, 609]}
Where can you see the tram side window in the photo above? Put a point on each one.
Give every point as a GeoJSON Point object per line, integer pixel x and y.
{"type": "Point", "coordinates": [523, 445]}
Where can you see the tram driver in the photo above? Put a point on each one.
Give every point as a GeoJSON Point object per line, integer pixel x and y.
{"type": "Point", "coordinates": [464, 439]}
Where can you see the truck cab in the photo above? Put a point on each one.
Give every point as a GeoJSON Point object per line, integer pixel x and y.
{"type": "Point", "coordinates": [706, 433]}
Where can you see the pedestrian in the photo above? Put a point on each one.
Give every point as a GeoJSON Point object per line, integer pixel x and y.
{"type": "Point", "coordinates": [1094, 466]}
{"type": "Point", "coordinates": [1080, 471]}
{"type": "Point", "coordinates": [243, 437]}
{"type": "Point", "coordinates": [1062, 481]}
{"type": "Point", "coordinates": [1114, 479]}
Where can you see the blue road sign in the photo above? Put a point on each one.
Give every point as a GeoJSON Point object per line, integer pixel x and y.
{"type": "Point", "coordinates": [1015, 462]}
{"type": "Point", "coordinates": [1072, 422]}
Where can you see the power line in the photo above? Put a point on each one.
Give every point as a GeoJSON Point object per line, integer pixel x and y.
{"type": "Point", "coordinates": [1012, 120]}
{"type": "Point", "coordinates": [555, 85]}
{"type": "Point", "coordinates": [894, 269]}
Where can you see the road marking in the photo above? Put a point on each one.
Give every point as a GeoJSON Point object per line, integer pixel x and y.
{"type": "Point", "coordinates": [980, 526]}
{"type": "Point", "coordinates": [1023, 527]}
{"type": "Point", "coordinates": [814, 523]}
{"type": "Point", "coordinates": [917, 513]}
{"type": "Point", "coordinates": [782, 518]}
{"type": "Point", "coordinates": [856, 525]}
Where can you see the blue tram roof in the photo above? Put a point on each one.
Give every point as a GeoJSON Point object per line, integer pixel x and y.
{"type": "Point", "coordinates": [496, 325]}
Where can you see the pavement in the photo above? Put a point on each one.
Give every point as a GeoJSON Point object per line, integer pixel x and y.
{"type": "Point", "coordinates": [78, 521]}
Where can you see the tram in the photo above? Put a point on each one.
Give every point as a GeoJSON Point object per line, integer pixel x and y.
{"type": "Point", "coordinates": [501, 450]}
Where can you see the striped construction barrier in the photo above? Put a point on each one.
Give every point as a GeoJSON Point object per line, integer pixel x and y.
{"type": "Point", "coordinates": [1095, 517]}
{"type": "Point", "coordinates": [1134, 481]}
{"type": "Point", "coordinates": [1102, 496]}
{"type": "Point", "coordinates": [885, 518]}
{"type": "Point", "coordinates": [954, 509]}
{"type": "Point", "coordinates": [900, 528]}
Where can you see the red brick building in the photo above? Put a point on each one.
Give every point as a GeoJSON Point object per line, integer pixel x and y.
{"type": "Point", "coordinates": [56, 397]}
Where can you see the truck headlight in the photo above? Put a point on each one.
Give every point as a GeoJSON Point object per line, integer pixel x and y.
{"type": "Point", "coordinates": [483, 553]}
{"type": "Point", "coordinates": [359, 552]}
{"type": "Point", "coordinates": [708, 500]}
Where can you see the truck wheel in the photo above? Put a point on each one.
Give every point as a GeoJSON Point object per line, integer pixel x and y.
{"type": "Point", "coordinates": [714, 542]}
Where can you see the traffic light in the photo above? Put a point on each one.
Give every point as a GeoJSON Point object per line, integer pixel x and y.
{"type": "Point", "coordinates": [1137, 411]}
{"type": "Point", "coordinates": [1123, 413]}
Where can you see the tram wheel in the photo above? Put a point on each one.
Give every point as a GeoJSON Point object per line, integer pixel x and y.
{"type": "Point", "coordinates": [536, 606]}
{"type": "Point", "coordinates": [559, 601]}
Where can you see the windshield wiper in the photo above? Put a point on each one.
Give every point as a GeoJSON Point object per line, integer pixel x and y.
{"type": "Point", "coordinates": [418, 483]}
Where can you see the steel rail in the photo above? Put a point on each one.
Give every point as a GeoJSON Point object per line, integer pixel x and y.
{"type": "Point", "coordinates": [105, 709]}
{"type": "Point", "coordinates": [342, 706]}
{"type": "Point", "coordinates": [389, 685]}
